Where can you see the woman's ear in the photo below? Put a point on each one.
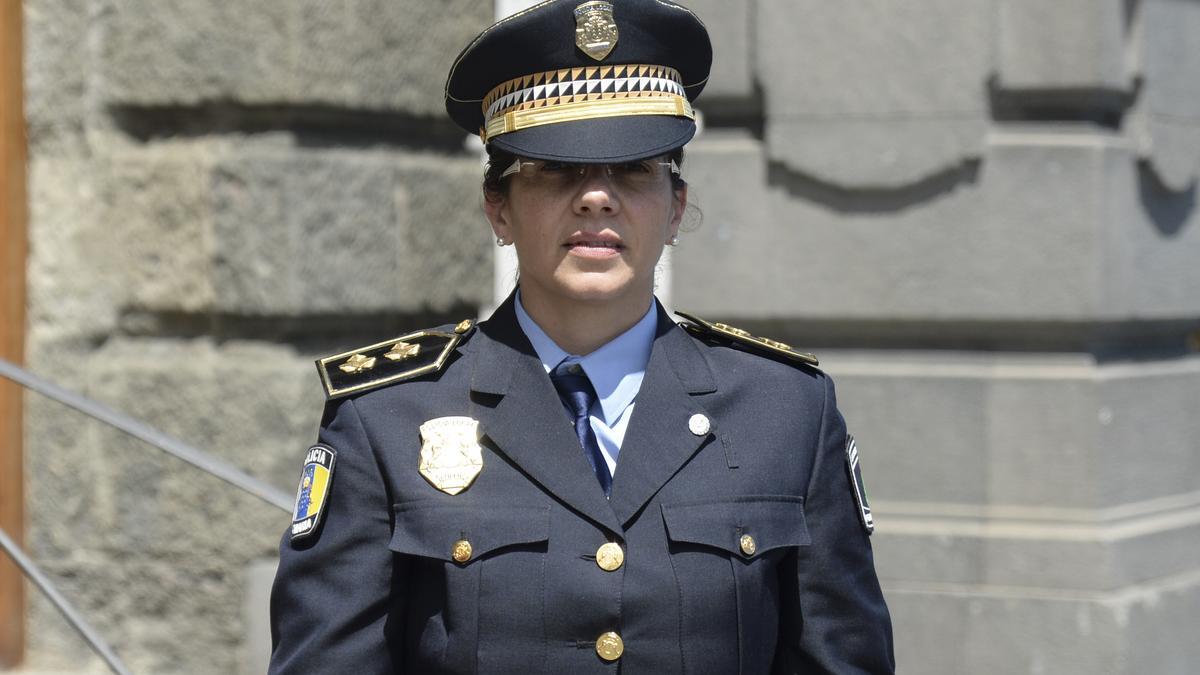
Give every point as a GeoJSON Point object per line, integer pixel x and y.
{"type": "Point", "coordinates": [678, 206]}
{"type": "Point", "coordinates": [495, 207]}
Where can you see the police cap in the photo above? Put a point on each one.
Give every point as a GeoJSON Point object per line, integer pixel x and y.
{"type": "Point", "coordinates": [583, 80]}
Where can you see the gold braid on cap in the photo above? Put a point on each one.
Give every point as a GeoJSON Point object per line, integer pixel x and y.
{"type": "Point", "coordinates": [586, 93]}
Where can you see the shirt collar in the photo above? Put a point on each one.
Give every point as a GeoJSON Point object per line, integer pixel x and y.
{"type": "Point", "coordinates": [615, 369]}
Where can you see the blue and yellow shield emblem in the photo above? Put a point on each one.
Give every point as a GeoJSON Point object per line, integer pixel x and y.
{"type": "Point", "coordinates": [313, 492]}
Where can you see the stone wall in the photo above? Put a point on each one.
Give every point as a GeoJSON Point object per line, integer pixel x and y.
{"type": "Point", "coordinates": [220, 192]}
{"type": "Point", "coordinates": [981, 213]}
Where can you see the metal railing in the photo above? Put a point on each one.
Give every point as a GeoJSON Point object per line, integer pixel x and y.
{"type": "Point", "coordinates": [173, 446]}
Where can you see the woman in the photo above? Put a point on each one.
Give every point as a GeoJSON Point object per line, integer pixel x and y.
{"type": "Point", "coordinates": [578, 484]}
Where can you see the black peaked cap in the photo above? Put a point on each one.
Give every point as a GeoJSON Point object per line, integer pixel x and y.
{"type": "Point", "coordinates": [543, 38]}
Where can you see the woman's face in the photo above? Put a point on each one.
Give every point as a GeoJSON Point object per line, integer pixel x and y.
{"type": "Point", "coordinates": [595, 237]}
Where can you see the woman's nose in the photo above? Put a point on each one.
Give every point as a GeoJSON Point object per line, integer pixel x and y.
{"type": "Point", "coordinates": [596, 193]}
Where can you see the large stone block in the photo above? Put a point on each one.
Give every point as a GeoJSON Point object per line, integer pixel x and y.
{"type": "Point", "coordinates": [1071, 45]}
{"type": "Point", "coordinates": [69, 295]}
{"type": "Point", "coordinates": [52, 646]}
{"type": "Point", "coordinates": [254, 247]}
{"type": "Point", "coordinates": [447, 243]}
{"type": "Point", "coordinates": [727, 176]}
{"type": "Point", "coordinates": [947, 633]}
{"type": "Point", "coordinates": [1030, 547]}
{"type": "Point", "coordinates": [874, 94]}
{"type": "Point", "coordinates": [160, 617]}
{"type": "Point", "coordinates": [56, 68]}
{"type": "Point", "coordinates": [950, 629]}
{"type": "Point", "coordinates": [158, 217]}
{"type": "Point", "coordinates": [182, 52]}
{"type": "Point", "coordinates": [367, 54]}
{"type": "Point", "coordinates": [1052, 227]}
{"type": "Point", "coordinates": [1155, 617]}
{"type": "Point", "coordinates": [62, 463]}
{"type": "Point", "coordinates": [251, 405]}
{"type": "Point", "coordinates": [298, 231]}
{"type": "Point", "coordinates": [382, 54]}
{"type": "Point", "coordinates": [1014, 430]}
{"type": "Point", "coordinates": [148, 547]}
{"type": "Point", "coordinates": [351, 232]}
{"type": "Point", "coordinates": [1166, 117]}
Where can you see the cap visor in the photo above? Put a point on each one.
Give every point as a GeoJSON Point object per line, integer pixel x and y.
{"type": "Point", "coordinates": [604, 140]}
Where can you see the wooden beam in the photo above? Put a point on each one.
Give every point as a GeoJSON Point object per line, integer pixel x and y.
{"type": "Point", "coordinates": [13, 248]}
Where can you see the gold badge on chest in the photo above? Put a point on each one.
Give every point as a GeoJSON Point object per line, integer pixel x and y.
{"type": "Point", "coordinates": [451, 456]}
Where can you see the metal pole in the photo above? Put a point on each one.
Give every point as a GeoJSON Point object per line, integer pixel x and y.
{"type": "Point", "coordinates": [72, 616]}
{"type": "Point", "coordinates": [173, 446]}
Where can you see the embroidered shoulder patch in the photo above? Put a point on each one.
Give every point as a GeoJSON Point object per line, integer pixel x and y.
{"type": "Point", "coordinates": [856, 486]}
{"type": "Point", "coordinates": [698, 326]}
{"type": "Point", "coordinates": [313, 493]}
{"type": "Point", "coordinates": [395, 360]}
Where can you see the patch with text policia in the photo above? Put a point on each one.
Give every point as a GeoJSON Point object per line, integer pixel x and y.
{"type": "Point", "coordinates": [313, 493]}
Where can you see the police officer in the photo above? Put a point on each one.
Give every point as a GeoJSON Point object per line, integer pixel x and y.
{"type": "Point", "coordinates": [580, 484]}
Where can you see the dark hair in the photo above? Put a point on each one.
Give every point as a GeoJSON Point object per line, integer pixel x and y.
{"type": "Point", "coordinates": [494, 186]}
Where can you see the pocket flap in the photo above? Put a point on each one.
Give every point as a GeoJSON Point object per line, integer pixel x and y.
{"type": "Point", "coordinates": [771, 522]}
{"type": "Point", "coordinates": [433, 530]}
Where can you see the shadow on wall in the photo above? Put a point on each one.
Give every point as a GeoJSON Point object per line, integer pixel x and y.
{"type": "Point", "coordinates": [1168, 209]}
{"type": "Point", "coordinates": [872, 200]}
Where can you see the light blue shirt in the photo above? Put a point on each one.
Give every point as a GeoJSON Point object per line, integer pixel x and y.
{"type": "Point", "coordinates": [615, 369]}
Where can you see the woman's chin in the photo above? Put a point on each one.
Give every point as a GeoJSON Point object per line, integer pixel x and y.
{"type": "Point", "coordinates": [608, 286]}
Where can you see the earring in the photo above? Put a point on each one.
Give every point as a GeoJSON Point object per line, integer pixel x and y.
{"type": "Point", "coordinates": [501, 241]}
{"type": "Point", "coordinates": [674, 240]}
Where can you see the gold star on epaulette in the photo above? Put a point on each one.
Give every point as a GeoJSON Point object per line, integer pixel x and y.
{"type": "Point", "coordinates": [396, 360]}
{"type": "Point", "coordinates": [767, 346]}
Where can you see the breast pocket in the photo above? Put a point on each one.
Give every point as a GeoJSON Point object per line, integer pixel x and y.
{"type": "Point", "coordinates": [726, 556]}
{"type": "Point", "coordinates": [463, 561]}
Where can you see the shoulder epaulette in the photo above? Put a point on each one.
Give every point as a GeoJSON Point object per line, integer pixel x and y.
{"type": "Point", "coordinates": [395, 360]}
{"type": "Point", "coordinates": [700, 327]}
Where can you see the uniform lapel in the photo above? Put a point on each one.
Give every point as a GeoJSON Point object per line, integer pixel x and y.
{"type": "Point", "coordinates": [527, 423]}
{"type": "Point", "coordinates": [658, 442]}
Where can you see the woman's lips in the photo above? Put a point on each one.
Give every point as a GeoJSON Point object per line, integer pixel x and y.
{"type": "Point", "coordinates": [594, 248]}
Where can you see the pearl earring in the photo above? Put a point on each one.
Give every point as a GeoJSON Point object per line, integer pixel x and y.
{"type": "Point", "coordinates": [501, 241]}
{"type": "Point", "coordinates": [674, 240]}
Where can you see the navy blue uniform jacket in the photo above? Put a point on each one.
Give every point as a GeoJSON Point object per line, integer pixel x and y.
{"type": "Point", "coordinates": [376, 589]}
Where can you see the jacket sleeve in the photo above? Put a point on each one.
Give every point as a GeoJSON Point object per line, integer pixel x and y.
{"type": "Point", "coordinates": [835, 619]}
{"type": "Point", "coordinates": [338, 594]}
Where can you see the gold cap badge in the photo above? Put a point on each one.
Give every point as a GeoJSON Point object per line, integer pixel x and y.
{"type": "Point", "coordinates": [595, 30]}
{"type": "Point", "coordinates": [451, 456]}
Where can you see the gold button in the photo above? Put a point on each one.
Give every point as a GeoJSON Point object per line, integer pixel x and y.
{"type": "Point", "coordinates": [610, 557]}
{"type": "Point", "coordinates": [748, 545]}
{"type": "Point", "coordinates": [461, 551]}
{"type": "Point", "coordinates": [610, 647]}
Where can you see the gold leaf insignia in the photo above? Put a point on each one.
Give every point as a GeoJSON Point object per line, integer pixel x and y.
{"type": "Point", "coordinates": [402, 350]}
{"type": "Point", "coordinates": [357, 364]}
{"type": "Point", "coordinates": [697, 325]}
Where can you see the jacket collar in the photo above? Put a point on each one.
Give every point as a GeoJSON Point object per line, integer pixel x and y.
{"type": "Point", "coordinates": [522, 416]}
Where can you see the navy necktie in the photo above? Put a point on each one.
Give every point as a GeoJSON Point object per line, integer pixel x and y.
{"type": "Point", "coordinates": [577, 394]}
